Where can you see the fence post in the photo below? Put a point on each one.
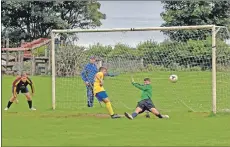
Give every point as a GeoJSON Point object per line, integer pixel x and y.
{"type": "Point", "coordinates": [49, 56]}
{"type": "Point", "coordinates": [142, 62]}
{"type": "Point", "coordinates": [46, 62]}
{"type": "Point", "coordinates": [7, 52]}
{"type": "Point", "coordinates": [22, 58]}
{"type": "Point", "coordinates": [33, 66]}
{"type": "Point", "coordinates": [3, 42]}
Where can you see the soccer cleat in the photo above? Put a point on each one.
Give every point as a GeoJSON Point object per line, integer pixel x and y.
{"type": "Point", "coordinates": [165, 116]}
{"type": "Point", "coordinates": [6, 109]}
{"type": "Point", "coordinates": [32, 109]}
{"type": "Point", "coordinates": [114, 116]}
{"type": "Point", "coordinates": [128, 116]}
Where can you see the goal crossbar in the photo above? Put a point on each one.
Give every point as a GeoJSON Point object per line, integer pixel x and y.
{"type": "Point", "coordinates": [135, 29]}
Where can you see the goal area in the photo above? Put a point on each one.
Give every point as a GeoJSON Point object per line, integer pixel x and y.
{"type": "Point", "coordinates": [198, 55]}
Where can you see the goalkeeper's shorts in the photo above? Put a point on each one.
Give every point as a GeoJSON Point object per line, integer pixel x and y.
{"type": "Point", "coordinates": [22, 90]}
{"type": "Point", "coordinates": [101, 95]}
{"type": "Point", "coordinates": [146, 104]}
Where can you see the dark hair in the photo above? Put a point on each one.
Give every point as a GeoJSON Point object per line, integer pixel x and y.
{"type": "Point", "coordinates": [102, 68]}
{"type": "Point", "coordinates": [147, 79]}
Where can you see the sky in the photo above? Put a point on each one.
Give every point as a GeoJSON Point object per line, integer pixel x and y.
{"type": "Point", "coordinates": [122, 14]}
{"type": "Point", "coordinates": [127, 14]}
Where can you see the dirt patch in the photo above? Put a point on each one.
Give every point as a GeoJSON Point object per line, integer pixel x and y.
{"type": "Point", "coordinates": [57, 115]}
{"type": "Point", "coordinates": [202, 114]}
{"type": "Point", "coordinates": [85, 115]}
{"type": "Point", "coordinates": [12, 112]}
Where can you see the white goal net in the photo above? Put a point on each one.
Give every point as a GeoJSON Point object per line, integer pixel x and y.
{"type": "Point", "coordinates": [188, 52]}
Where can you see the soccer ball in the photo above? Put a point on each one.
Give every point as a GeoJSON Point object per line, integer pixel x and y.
{"type": "Point", "coordinates": [173, 78]}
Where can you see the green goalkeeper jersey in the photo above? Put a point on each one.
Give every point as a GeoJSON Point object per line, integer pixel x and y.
{"type": "Point", "coordinates": [146, 90]}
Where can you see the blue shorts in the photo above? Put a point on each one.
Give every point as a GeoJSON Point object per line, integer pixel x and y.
{"type": "Point", "coordinates": [101, 95]}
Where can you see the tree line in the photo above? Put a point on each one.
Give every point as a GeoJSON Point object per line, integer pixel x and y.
{"type": "Point", "coordinates": [185, 13]}
{"type": "Point", "coordinates": [173, 55]}
{"type": "Point", "coordinates": [193, 55]}
{"type": "Point", "coordinates": [29, 20]}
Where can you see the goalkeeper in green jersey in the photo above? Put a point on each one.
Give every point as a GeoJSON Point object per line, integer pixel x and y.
{"type": "Point", "coordinates": [145, 102]}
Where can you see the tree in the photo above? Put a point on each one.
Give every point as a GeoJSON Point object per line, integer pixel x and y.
{"type": "Point", "coordinates": [99, 50]}
{"type": "Point", "coordinates": [30, 20]}
{"type": "Point", "coordinates": [123, 51]}
{"type": "Point", "coordinates": [185, 13]}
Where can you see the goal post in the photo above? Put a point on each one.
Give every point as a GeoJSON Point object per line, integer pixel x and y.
{"type": "Point", "coordinates": [175, 37]}
{"type": "Point", "coordinates": [214, 69]}
{"type": "Point", "coordinates": [53, 70]}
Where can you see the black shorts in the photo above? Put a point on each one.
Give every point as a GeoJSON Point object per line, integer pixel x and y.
{"type": "Point", "coordinates": [22, 90]}
{"type": "Point", "coordinates": [146, 104]}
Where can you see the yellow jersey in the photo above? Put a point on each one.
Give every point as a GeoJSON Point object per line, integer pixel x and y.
{"type": "Point", "coordinates": [97, 83]}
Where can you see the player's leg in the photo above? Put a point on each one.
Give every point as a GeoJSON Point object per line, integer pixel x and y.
{"type": "Point", "coordinates": [29, 98]}
{"type": "Point", "coordinates": [157, 113]}
{"type": "Point", "coordinates": [149, 104]}
{"type": "Point", "coordinates": [139, 109]}
{"type": "Point", "coordinates": [12, 99]}
{"type": "Point", "coordinates": [10, 102]}
{"type": "Point", "coordinates": [110, 108]}
{"type": "Point", "coordinates": [90, 96]}
{"type": "Point", "coordinates": [102, 96]}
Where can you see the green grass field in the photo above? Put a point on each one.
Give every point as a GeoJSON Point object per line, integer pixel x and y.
{"type": "Point", "coordinates": [72, 124]}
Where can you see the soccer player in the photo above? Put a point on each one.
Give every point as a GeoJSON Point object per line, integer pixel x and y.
{"type": "Point", "coordinates": [100, 92]}
{"type": "Point", "coordinates": [88, 75]}
{"type": "Point", "coordinates": [20, 85]}
{"type": "Point", "coordinates": [145, 103]}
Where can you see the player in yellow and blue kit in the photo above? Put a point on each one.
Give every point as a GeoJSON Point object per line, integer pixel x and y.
{"type": "Point", "coordinates": [100, 92]}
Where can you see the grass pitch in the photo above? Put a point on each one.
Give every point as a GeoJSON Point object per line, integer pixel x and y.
{"type": "Point", "coordinates": [92, 127]}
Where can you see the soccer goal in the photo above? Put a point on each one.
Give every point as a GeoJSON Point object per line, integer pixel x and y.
{"type": "Point", "coordinates": [198, 55]}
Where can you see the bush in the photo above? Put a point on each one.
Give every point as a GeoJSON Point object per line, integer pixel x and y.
{"type": "Point", "coordinates": [193, 55]}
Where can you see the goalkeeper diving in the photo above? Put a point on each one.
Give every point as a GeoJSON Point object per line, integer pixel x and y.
{"type": "Point", "coordinates": [100, 92]}
{"type": "Point", "coordinates": [145, 103]}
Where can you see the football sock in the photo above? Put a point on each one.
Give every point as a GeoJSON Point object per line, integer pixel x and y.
{"type": "Point", "coordinates": [159, 115]}
{"type": "Point", "coordinates": [9, 104]}
{"type": "Point", "coordinates": [30, 103]}
{"type": "Point", "coordinates": [134, 114]}
{"type": "Point", "coordinates": [109, 108]}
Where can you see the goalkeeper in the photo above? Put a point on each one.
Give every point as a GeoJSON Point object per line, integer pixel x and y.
{"type": "Point", "coordinates": [100, 92]}
{"type": "Point", "coordinates": [145, 103]}
{"type": "Point", "coordinates": [20, 85]}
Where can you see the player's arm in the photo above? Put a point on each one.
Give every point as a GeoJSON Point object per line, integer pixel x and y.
{"type": "Point", "coordinates": [99, 76]}
{"type": "Point", "coordinates": [14, 91]}
{"type": "Point", "coordinates": [15, 83]}
{"type": "Point", "coordinates": [31, 84]}
{"type": "Point", "coordinates": [83, 73]}
{"type": "Point", "coordinates": [140, 86]}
